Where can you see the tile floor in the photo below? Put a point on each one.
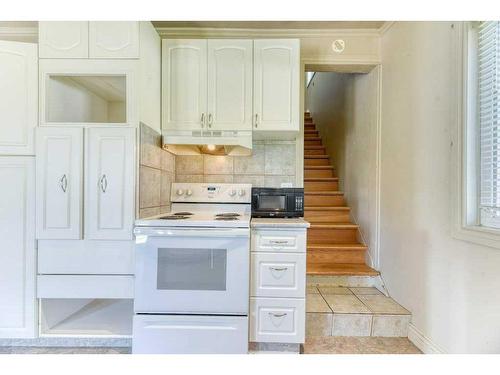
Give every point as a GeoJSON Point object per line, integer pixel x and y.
{"type": "Point", "coordinates": [359, 345]}
{"type": "Point", "coordinates": [353, 311]}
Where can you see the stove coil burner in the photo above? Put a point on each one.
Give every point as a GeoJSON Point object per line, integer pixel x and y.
{"type": "Point", "coordinates": [182, 213]}
{"type": "Point", "coordinates": [174, 217]}
{"type": "Point", "coordinates": [227, 214]}
{"type": "Point", "coordinates": [226, 218]}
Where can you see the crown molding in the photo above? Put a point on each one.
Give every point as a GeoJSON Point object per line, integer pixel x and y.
{"type": "Point", "coordinates": [385, 27]}
{"type": "Point", "coordinates": [19, 32]}
{"type": "Point", "coordinates": [212, 32]}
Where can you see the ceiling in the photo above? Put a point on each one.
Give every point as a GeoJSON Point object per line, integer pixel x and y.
{"type": "Point", "coordinates": [272, 24]}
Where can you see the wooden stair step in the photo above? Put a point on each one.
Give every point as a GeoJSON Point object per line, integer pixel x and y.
{"type": "Point", "coordinates": [321, 184]}
{"type": "Point", "coordinates": [311, 133]}
{"type": "Point", "coordinates": [341, 269]}
{"type": "Point", "coordinates": [312, 160]}
{"type": "Point", "coordinates": [332, 233]}
{"type": "Point", "coordinates": [313, 141]}
{"type": "Point", "coordinates": [336, 214]}
{"type": "Point", "coordinates": [315, 150]}
{"type": "Point", "coordinates": [325, 172]}
{"type": "Point", "coordinates": [324, 198]}
{"type": "Point", "coordinates": [339, 253]}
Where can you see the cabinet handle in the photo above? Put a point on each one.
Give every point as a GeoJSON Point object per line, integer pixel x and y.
{"type": "Point", "coordinates": [103, 182]}
{"type": "Point", "coordinates": [202, 119]}
{"type": "Point", "coordinates": [279, 268]}
{"type": "Point", "coordinates": [209, 120]}
{"type": "Point", "coordinates": [63, 182]}
{"type": "Point", "coordinates": [256, 119]}
{"type": "Point", "coordinates": [278, 315]}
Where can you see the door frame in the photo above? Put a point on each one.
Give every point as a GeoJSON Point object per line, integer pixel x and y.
{"type": "Point", "coordinates": [346, 67]}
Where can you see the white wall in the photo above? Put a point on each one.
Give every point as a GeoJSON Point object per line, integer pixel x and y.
{"type": "Point", "coordinates": [450, 286]}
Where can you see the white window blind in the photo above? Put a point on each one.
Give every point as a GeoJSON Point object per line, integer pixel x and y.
{"type": "Point", "coordinates": [489, 122]}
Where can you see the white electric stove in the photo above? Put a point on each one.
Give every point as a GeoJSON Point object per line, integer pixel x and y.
{"type": "Point", "coordinates": [192, 272]}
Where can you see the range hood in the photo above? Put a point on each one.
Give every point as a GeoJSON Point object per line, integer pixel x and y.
{"type": "Point", "coordinates": [215, 142]}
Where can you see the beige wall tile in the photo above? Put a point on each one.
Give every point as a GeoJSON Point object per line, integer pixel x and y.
{"type": "Point", "coordinates": [316, 303]}
{"type": "Point", "coordinates": [189, 178]}
{"type": "Point", "coordinates": [318, 324]}
{"type": "Point", "coordinates": [147, 212]}
{"type": "Point", "coordinates": [345, 304]}
{"type": "Point", "coordinates": [276, 181]}
{"type": "Point", "coordinates": [151, 151]}
{"type": "Point", "coordinates": [165, 209]}
{"type": "Point", "coordinates": [251, 165]}
{"type": "Point", "coordinates": [217, 164]}
{"type": "Point", "coordinates": [167, 161]}
{"type": "Point", "coordinates": [280, 159]}
{"type": "Point", "coordinates": [218, 178]}
{"type": "Point", "coordinates": [189, 164]}
{"type": "Point", "coordinates": [352, 324]}
{"type": "Point", "coordinates": [380, 304]}
{"type": "Point", "coordinates": [166, 182]}
{"type": "Point", "coordinates": [334, 290]}
{"type": "Point", "coordinates": [256, 181]}
{"type": "Point", "coordinates": [390, 325]}
{"type": "Point", "coordinates": [149, 189]}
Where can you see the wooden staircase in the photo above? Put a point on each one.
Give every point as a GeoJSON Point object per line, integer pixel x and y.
{"type": "Point", "coordinates": [333, 241]}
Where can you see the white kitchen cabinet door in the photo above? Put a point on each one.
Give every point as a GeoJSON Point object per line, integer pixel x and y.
{"type": "Point", "coordinates": [230, 77]}
{"type": "Point", "coordinates": [276, 84]}
{"type": "Point", "coordinates": [114, 39]}
{"type": "Point", "coordinates": [184, 84]}
{"type": "Point", "coordinates": [110, 181]}
{"type": "Point", "coordinates": [17, 251]}
{"type": "Point", "coordinates": [59, 164]}
{"type": "Point", "coordinates": [63, 39]}
{"type": "Point", "coordinates": [18, 97]}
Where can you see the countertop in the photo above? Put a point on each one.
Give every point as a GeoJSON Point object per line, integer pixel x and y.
{"type": "Point", "coordinates": [279, 223]}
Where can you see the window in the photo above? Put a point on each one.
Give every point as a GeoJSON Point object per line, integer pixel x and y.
{"type": "Point", "coordinates": [488, 105]}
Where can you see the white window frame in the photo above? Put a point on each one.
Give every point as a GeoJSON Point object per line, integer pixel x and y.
{"type": "Point", "coordinates": [465, 142]}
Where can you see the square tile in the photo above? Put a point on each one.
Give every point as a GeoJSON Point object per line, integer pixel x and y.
{"type": "Point", "coordinates": [150, 145]}
{"type": "Point", "coordinates": [189, 178]}
{"type": "Point", "coordinates": [366, 291]}
{"type": "Point", "coordinates": [189, 164]}
{"type": "Point", "coordinates": [147, 212]}
{"type": "Point", "coordinates": [168, 161]}
{"type": "Point", "coordinates": [256, 181]}
{"type": "Point", "coordinates": [352, 324]}
{"type": "Point", "coordinates": [276, 181]}
{"type": "Point", "coordinates": [217, 164]}
{"type": "Point", "coordinates": [345, 304]}
{"type": "Point", "coordinates": [149, 187]}
{"type": "Point", "coordinates": [165, 188]}
{"type": "Point", "coordinates": [312, 289]}
{"type": "Point", "coordinates": [165, 209]}
{"type": "Point", "coordinates": [219, 178]}
{"type": "Point", "coordinates": [316, 304]}
{"type": "Point", "coordinates": [333, 290]}
{"type": "Point", "coordinates": [253, 164]}
{"type": "Point", "coordinates": [318, 324]}
{"type": "Point", "coordinates": [380, 304]}
{"type": "Point", "coordinates": [280, 159]}
{"type": "Point", "coordinates": [390, 325]}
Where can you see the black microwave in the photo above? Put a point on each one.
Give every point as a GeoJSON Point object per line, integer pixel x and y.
{"type": "Point", "coordinates": [277, 202]}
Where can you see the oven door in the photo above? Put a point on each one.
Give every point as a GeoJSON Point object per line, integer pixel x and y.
{"type": "Point", "coordinates": [192, 271]}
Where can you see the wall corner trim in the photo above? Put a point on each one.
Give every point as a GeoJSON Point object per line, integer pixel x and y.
{"type": "Point", "coordinates": [423, 342]}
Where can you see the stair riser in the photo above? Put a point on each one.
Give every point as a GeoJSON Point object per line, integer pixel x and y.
{"type": "Point", "coordinates": [309, 126]}
{"type": "Point", "coordinates": [326, 216]}
{"type": "Point", "coordinates": [321, 186]}
{"type": "Point", "coordinates": [311, 133]}
{"type": "Point", "coordinates": [331, 235]}
{"type": "Point", "coordinates": [312, 142]}
{"type": "Point", "coordinates": [318, 173]}
{"type": "Point", "coordinates": [324, 200]}
{"type": "Point", "coordinates": [356, 256]}
{"type": "Point", "coordinates": [314, 151]}
{"type": "Point", "coordinates": [316, 162]}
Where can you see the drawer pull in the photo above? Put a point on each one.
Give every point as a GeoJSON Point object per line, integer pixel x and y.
{"type": "Point", "coordinates": [279, 268]}
{"type": "Point", "coordinates": [278, 242]}
{"type": "Point", "coordinates": [278, 315]}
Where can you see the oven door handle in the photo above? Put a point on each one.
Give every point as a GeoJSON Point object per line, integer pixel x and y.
{"type": "Point", "coordinates": [192, 232]}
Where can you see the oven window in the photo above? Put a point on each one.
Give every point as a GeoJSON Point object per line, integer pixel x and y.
{"type": "Point", "coordinates": [272, 202]}
{"type": "Point", "coordinates": [191, 269]}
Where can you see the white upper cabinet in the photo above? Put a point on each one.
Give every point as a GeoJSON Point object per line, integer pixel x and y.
{"type": "Point", "coordinates": [184, 84]}
{"type": "Point", "coordinates": [18, 97]}
{"type": "Point", "coordinates": [17, 251]}
{"type": "Point", "coordinates": [59, 157]}
{"type": "Point", "coordinates": [61, 39]}
{"type": "Point", "coordinates": [109, 175]}
{"type": "Point", "coordinates": [230, 84]}
{"type": "Point", "coordinates": [114, 39]}
{"type": "Point", "coordinates": [276, 85]}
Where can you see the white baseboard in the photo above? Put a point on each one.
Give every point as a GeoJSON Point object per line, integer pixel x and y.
{"type": "Point", "coordinates": [422, 342]}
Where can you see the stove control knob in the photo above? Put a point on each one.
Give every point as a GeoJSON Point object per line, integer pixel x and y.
{"type": "Point", "coordinates": [180, 192]}
{"type": "Point", "coordinates": [232, 192]}
{"type": "Point", "coordinates": [189, 192]}
{"type": "Point", "coordinates": [242, 192]}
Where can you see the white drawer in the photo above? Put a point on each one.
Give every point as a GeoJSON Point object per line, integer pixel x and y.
{"type": "Point", "coordinates": [85, 286]}
{"type": "Point", "coordinates": [278, 275]}
{"type": "Point", "coordinates": [277, 320]}
{"type": "Point", "coordinates": [292, 241]}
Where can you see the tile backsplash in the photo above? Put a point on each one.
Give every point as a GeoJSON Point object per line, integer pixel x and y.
{"type": "Point", "coordinates": [156, 173]}
{"type": "Point", "coordinates": [271, 164]}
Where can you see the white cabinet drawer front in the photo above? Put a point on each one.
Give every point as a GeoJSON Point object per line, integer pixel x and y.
{"type": "Point", "coordinates": [85, 286]}
{"type": "Point", "coordinates": [277, 320]}
{"type": "Point", "coordinates": [278, 275]}
{"type": "Point", "coordinates": [279, 241]}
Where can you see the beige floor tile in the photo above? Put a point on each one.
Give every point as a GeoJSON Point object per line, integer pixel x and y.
{"type": "Point", "coordinates": [312, 289]}
{"type": "Point", "coordinates": [318, 324]}
{"type": "Point", "coordinates": [390, 325]}
{"type": "Point", "coordinates": [359, 345]}
{"type": "Point", "coordinates": [366, 291]}
{"type": "Point", "coordinates": [334, 290]}
{"type": "Point", "coordinates": [316, 304]}
{"type": "Point", "coordinates": [352, 324]}
{"type": "Point", "coordinates": [382, 305]}
{"type": "Point", "coordinates": [346, 304]}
